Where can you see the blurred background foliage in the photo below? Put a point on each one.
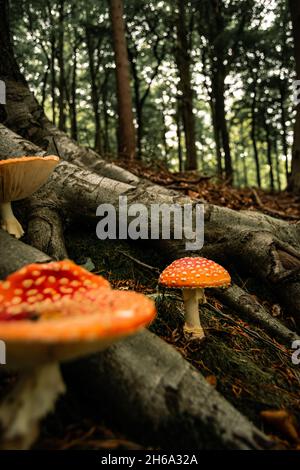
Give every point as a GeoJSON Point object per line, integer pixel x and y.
{"type": "Point", "coordinates": [229, 61]}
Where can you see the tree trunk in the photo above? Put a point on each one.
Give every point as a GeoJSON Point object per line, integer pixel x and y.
{"type": "Point", "coordinates": [52, 63]}
{"type": "Point", "coordinates": [217, 137]}
{"type": "Point", "coordinates": [8, 64]}
{"type": "Point", "coordinates": [245, 172]}
{"type": "Point", "coordinates": [244, 159]}
{"type": "Point", "coordinates": [61, 65]}
{"type": "Point", "coordinates": [126, 130]}
{"type": "Point", "coordinates": [253, 138]}
{"type": "Point", "coordinates": [95, 92]}
{"type": "Point", "coordinates": [137, 101]}
{"type": "Point", "coordinates": [220, 116]}
{"type": "Point", "coordinates": [106, 139]}
{"type": "Point", "coordinates": [53, 80]}
{"type": "Point", "coordinates": [178, 132]}
{"type": "Point", "coordinates": [277, 160]}
{"type": "Point", "coordinates": [294, 181]}
{"type": "Point", "coordinates": [184, 68]}
{"type": "Point", "coordinates": [269, 152]}
{"type": "Point", "coordinates": [284, 130]}
{"type": "Point", "coordinates": [44, 87]}
{"type": "Point", "coordinates": [73, 100]}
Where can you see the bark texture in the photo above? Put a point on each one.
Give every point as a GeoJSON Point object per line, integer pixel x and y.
{"type": "Point", "coordinates": [184, 64]}
{"type": "Point", "coordinates": [158, 403]}
{"type": "Point", "coordinates": [126, 131]}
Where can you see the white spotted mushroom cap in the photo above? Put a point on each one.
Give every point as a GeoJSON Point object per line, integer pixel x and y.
{"type": "Point", "coordinates": [38, 285]}
{"type": "Point", "coordinates": [194, 272]}
{"type": "Point", "coordinates": [60, 311]}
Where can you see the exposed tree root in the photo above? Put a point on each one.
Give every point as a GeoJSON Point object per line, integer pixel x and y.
{"type": "Point", "coordinates": [252, 242]}
{"type": "Point", "coordinates": [159, 403]}
{"type": "Point", "coordinates": [249, 308]}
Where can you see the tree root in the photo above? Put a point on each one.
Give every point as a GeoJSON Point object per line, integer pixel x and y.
{"type": "Point", "coordinates": [159, 403]}
{"type": "Point", "coordinates": [248, 308]}
{"type": "Point", "coordinates": [256, 243]}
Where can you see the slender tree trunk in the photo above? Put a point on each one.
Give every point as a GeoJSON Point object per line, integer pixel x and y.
{"type": "Point", "coordinates": [94, 93]}
{"type": "Point", "coordinates": [210, 92]}
{"type": "Point", "coordinates": [106, 144]}
{"type": "Point", "coordinates": [73, 101]}
{"type": "Point", "coordinates": [269, 153]}
{"type": "Point", "coordinates": [237, 169]}
{"type": "Point", "coordinates": [178, 132]}
{"type": "Point", "coordinates": [277, 165]}
{"type": "Point", "coordinates": [126, 130]}
{"type": "Point", "coordinates": [184, 68]}
{"type": "Point", "coordinates": [44, 87]}
{"type": "Point", "coordinates": [53, 79]}
{"type": "Point", "coordinates": [220, 115]}
{"type": "Point", "coordinates": [164, 132]}
{"type": "Point", "coordinates": [294, 181]}
{"type": "Point", "coordinates": [61, 64]}
{"type": "Point", "coordinates": [244, 162]}
{"type": "Point", "coordinates": [52, 63]}
{"type": "Point", "coordinates": [217, 137]}
{"type": "Point", "coordinates": [137, 102]}
{"type": "Point", "coordinates": [253, 138]}
{"type": "Point", "coordinates": [97, 138]}
{"type": "Point", "coordinates": [245, 171]}
{"type": "Point", "coordinates": [284, 130]}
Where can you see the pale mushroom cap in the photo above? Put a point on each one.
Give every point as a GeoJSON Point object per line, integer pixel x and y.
{"type": "Point", "coordinates": [194, 272]}
{"type": "Point", "coordinates": [20, 177]}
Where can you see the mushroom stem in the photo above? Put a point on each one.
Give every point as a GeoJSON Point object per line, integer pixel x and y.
{"type": "Point", "coordinates": [9, 221]}
{"type": "Point", "coordinates": [191, 298]}
{"type": "Point", "coordinates": [31, 400]}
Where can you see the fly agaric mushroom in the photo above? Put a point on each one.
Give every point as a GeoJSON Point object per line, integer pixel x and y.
{"type": "Point", "coordinates": [193, 275]}
{"type": "Point", "coordinates": [20, 178]}
{"type": "Point", "coordinates": [51, 313]}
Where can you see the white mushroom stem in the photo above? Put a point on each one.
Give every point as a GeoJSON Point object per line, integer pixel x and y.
{"type": "Point", "coordinates": [9, 221]}
{"type": "Point", "coordinates": [33, 397]}
{"type": "Point", "coordinates": [192, 298]}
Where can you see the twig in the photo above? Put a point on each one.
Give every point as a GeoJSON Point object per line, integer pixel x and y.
{"type": "Point", "coordinates": [147, 266]}
{"type": "Point", "coordinates": [247, 330]}
{"type": "Point", "coordinates": [271, 211]}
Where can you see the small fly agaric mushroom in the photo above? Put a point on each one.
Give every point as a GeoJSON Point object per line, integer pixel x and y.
{"type": "Point", "coordinates": [192, 275]}
{"type": "Point", "coordinates": [20, 178]}
{"type": "Point", "coordinates": [51, 313]}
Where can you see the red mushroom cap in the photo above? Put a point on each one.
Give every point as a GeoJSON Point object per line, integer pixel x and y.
{"type": "Point", "coordinates": [193, 273]}
{"type": "Point", "coordinates": [82, 320]}
{"type": "Point", "coordinates": [37, 285]}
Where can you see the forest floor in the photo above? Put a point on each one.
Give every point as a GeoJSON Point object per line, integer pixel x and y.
{"type": "Point", "coordinates": [248, 367]}
{"type": "Point", "coordinates": [281, 204]}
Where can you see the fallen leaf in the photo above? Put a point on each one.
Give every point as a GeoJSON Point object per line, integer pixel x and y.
{"type": "Point", "coordinates": [283, 421]}
{"type": "Point", "coordinates": [212, 380]}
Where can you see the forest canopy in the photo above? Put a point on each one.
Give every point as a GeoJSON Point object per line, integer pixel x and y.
{"type": "Point", "coordinates": [211, 81]}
